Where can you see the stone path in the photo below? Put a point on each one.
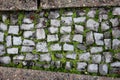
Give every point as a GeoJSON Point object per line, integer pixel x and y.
{"type": "Point", "coordinates": [84, 40]}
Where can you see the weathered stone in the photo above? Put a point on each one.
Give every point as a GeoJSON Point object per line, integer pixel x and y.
{"type": "Point", "coordinates": [29, 56]}
{"type": "Point", "coordinates": [107, 43]}
{"type": "Point", "coordinates": [84, 56]}
{"type": "Point", "coordinates": [68, 47]}
{"type": "Point", "coordinates": [8, 41]}
{"type": "Point", "coordinates": [3, 27]}
{"type": "Point", "coordinates": [13, 30]}
{"type": "Point", "coordinates": [53, 15]}
{"type": "Point", "coordinates": [117, 56]}
{"type": "Point", "coordinates": [96, 58]}
{"type": "Point", "coordinates": [92, 25]}
{"type": "Point", "coordinates": [53, 30]}
{"type": "Point", "coordinates": [66, 20]}
{"type": "Point", "coordinates": [92, 68]}
{"type": "Point", "coordinates": [59, 55]}
{"type": "Point", "coordinates": [98, 38]}
{"type": "Point", "coordinates": [56, 47]}
{"type": "Point", "coordinates": [103, 69]}
{"type": "Point", "coordinates": [57, 64]}
{"type": "Point", "coordinates": [18, 57]}
{"type": "Point", "coordinates": [79, 19]}
{"type": "Point", "coordinates": [68, 65]}
{"type": "Point", "coordinates": [65, 38]}
{"type": "Point", "coordinates": [17, 40]}
{"type": "Point", "coordinates": [27, 20]}
{"type": "Point", "coordinates": [2, 50]}
{"type": "Point", "coordinates": [45, 57]}
{"type": "Point", "coordinates": [1, 37]}
{"type": "Point", "coordinates": [115, 44]}
{"type": "Point", "coordinates": [107, 57]}
{"type": "Point", "coordinates": [114, 70]}
{"type": "Point", "coordinates": [28, 42]}
{"type": "Point", "coordinates": [71, 56]}
{"type": "Point", "coordinates": [81, 66]}
{"type": "Point", "coordinates": [79, 29]}
{"type": "Point", "coordinates": [96, 49]}
{"type": "Point", "coordinates": [28, 34]}
{"type": "Point", "coordinates": [78, 38]}
{"type": "Point", "coordinates": [81, 13]}
{"type": "Point", "coordinates": [81, 47]}
{"type": "Point", "coordinates": [115, 64]}
{"type": "Point", "coordinates": [105, 26]}
{"type": "Point", "coordinates": [40, 34]}
{"type": "Point", "coordinates": [91, 13]}
{"type": "Point", "coordinates": [27, 26]}
{"type": "Point", "coordinates": [27, 49]}
{"type": "Point", "coordinates": [52, 38]}
{"type": "Point", "coordinates": [65, 29]}
{"type": "Point", "coordinates": [18, 5]}
{"type": "Point", "coordinates": [68, 13]}
{"type": "Point", "coordinates": [107, 35]}
{"type": "Point", "coordinates": [5, 59]}
{"type": "Point", "coordinates": [4, 17]}
{"type": "Point", "coordinates": [42, 47]}
{"type": "Point", "coordinates": [116, 11]}
{"type": "Point", "coordinates": [12, 50]}
{"type": "Point", "coordinates": [115, 22]}
{"type": "Point", "coordinates": [116, 33]}
{"type": "Point", "coordinates": [55, 22]}
{"type": "Point", "coordinates": [103, 16]}
{"type": "Point", "coordinates": [14, 18]}
{"type": "Point", "coordinates": [89, 38]}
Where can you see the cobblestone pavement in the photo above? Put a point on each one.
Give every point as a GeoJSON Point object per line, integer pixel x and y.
{"type": "Point", "coordinates": [85, 41]}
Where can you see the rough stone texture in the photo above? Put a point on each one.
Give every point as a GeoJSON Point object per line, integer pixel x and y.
{"type": "Point", "coordinates": [105, 26]}
{"type": "Point", "coordinates": [68, 47]}
{"type": "Point", "coordinates": [81, 47]}
{"type": "Point", "coordinates": [115, 22]}
{"type": "Point", "coordinates": [2, 50]}
{"type": "Point", "coordinates": [96, 58]}
{"type": "Point", "coordinates": [28, 42]}
{"type": "Point", "coordinates": [84, 56]}
{"type": "Point", "coordinates": [103, 69]}
{"type": "Point", "coordinates": [66, 20]}
{"type": "Point", "coordinates": [71, 56]}
{"type": "Point", "coordinates": [92, 25]}
{"type": "Point", "coordinates": [78, 38]}
{"type": "Point", "coordinates": [40, 75]}
{"type": "Point", "coordinates": [79, 29]}
{"type": "Point", "coordinates": [55, 23]}
{"type": "Point", "coordinates": [107, 44]}
{"type": "Point", "coordinates": [5, 60]}
{"type": "Point", "coordinates": [65, 29]}
{"type": "Point", "coordinates": [42, 47]}
{"type": "Point", "coordinates": [116, 44]}
{"type": "Point", "coordinates": [98, 38]}
{"type": "Point", "coordinates": [117, 56]}
{"type": "Point", "coordinates": [28, 34]}
{"type": "Point", "coordinates": [17, 40]}
{"type": "Point", "coordinates": [65, 38]}
{"type": "Point", "coordinates": [79, 19]}
{"type": "Point", "coordinates": [92, 68]}
{"type": "Point", "coordinates": [3, 27]}
{"type": "Point", "coordinates": [27, 26]}
{"type": "Point", "coordinates": [8, 41]}
{"type": "Point", "coordinates": [56, 47]}
{"type": "Point", "coordinates": [45, 57]}
{"type": "Point", "coordinates": [40, 34]}
{"type": "Point", "coordinates": [12, 50]}
{"type": "Point", "coordinates": [96, 49]}
{"type": "Point", "coordinates": [1, 37]}
{"type": "Point", "coordinates": [53, 30]}
{"type": "Point", "coordinates": [68, 66]}
{"type": "Point", "coordinates": [116, 33]}
{"type": "Point", "coordinates": [46, 4]}
{"type": "Point", "coordinates": [89, 38]}
{"type": "Point", "coordinates": [18, 5]}
{"type": "Point", "coordinates": [81, 66]}
{"type": "Point", "coordinates": [115, 64]}
{"type": "Point", "coordinates": [27, 49]}
{"type": "Point", "coordinates": [107, 57]}
{"type": "Point", "coordinates": [52, 38]}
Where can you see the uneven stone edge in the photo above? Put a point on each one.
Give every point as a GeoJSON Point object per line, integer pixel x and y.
{"type": "Point", "coordinates": [24, 74]}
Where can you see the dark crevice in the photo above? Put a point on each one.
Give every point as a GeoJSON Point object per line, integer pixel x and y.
{"type": "Point", "coordinates": [38, 4]}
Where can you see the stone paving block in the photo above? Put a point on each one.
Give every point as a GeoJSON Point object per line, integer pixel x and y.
{"type": "Point", "coordinates": [18, 4]}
